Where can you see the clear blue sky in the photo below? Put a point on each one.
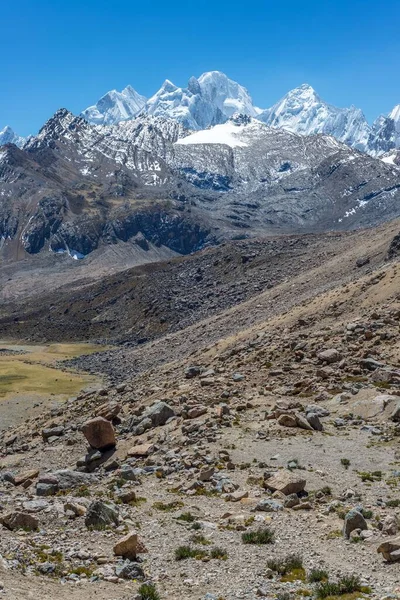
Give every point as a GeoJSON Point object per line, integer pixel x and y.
{"type": "Point", "coordinates": [68, 53]}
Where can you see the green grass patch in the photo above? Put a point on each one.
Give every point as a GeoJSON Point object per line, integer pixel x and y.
{"type": "Point", "coordinates": [259, 537]}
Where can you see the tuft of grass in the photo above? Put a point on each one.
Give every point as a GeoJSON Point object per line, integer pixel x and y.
{"type": "Point", "coordinates": [285, 565]}
{"type": "Point", "coordinates": [187, 517]}
{"type": "Point", "coordinates": [219, 553]}
{"type": "Point", "coordinates": [147, 591]}
{"type": "Point", "coordinates": [345, 585]}
{"type": "Point", "coordinates": [259, 537]}
{"type": "Point", "coordinates": [198, 538]}
{"type": "Point", "coordinates": [185, 552]}
{"type": "Point", "coordinates": [169, 506]}
{"type": "Point", "coordinates": [345, 462]}
{"type": "Point", "coordinates": [317, 575]}
{"type": "Point", "coordinates": [367, 476]}
{"type": "Point", "coordinates": [393, 503]}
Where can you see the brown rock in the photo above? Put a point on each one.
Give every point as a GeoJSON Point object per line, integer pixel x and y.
{"type": "Point", "coordinates": [286, 482]}
{"type": "Point", "coordinates": [129, 546]}
{"type": "Point", "coordinates": [390, 550]}
{"type": "Point", "coordinates": [287, 420]}
{"type": "Point", "coordinates": [20, 520]}
{"type": "Point", "coordinates": [141, 450]}
{"type": "Point", "coordinates": [99, 433]}
{"type": "Point", "coordinates": [25, 475]}
{"type": "Point", "coordinates": [108, 410]}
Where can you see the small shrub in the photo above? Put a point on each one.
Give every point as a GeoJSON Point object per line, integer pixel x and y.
{"type": "Point", "coordinates": [261, 536]}
{"type": "Point", "coordinates": [187, 517]}
{"type": "Point", "coordinates": [184, 552]}
{"type": "Point", "coordinates": [345, 585]}
{"type": "Point", "coordinates": [167, 507]}
{"type": "Point", "coordinates": [196, 526]}
{"type": "Point", "coordinates": [317, 575]}
{"type": "Point", "coordinates": [393, 503]}
{"type": "Point", "coordinates": [345, 462]}
{"type": "Point", "coordinates": [219, 553]}
{"type": "Point", "coordinates": [147, 591]}
{"type": "Point", "coordinates": [198, 538]}
{"type": "Point", "coordinates": [367, 514]}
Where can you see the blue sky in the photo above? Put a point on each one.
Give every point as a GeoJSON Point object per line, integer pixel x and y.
{"type": "Point", "coordinates": [67, 53]}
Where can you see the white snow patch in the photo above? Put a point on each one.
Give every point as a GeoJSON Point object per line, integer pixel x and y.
{"type": "Point", "coordinates": [220, 134]}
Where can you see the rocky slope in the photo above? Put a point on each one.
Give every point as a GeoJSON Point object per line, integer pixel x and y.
{"type": "Point", "coordinates": [258, 462]}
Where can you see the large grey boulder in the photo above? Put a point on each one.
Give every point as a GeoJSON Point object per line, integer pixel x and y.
{"type": "Point", "coordinates": [101, 515]}
{"type": "Point", "coordinates": [353, 520]}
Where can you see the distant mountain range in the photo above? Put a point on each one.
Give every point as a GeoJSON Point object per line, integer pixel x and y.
{"type": "Point", "coordinates": [152, 184]}
{"type": "Point", "coordinates": [213, 98]}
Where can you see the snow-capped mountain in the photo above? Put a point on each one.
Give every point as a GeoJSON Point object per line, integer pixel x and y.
{"type": "Point", "coordinates": [115, 106]}
{"type": "Point", "coordinates": [8, 136]}
{"type": "Point", "coordinates": [95, 185]}
{"type": "Point", "coordinates": [302, 111]}
{"type": "Point", "coordinates": [395, 116]}
{"type": "Point", "coordinates": [213, 98]}
{"type": "Point", "coordinates": [208, 100]}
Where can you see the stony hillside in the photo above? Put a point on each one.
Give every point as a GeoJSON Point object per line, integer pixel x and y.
{"type": "Point", "coordinates": [252, 454]}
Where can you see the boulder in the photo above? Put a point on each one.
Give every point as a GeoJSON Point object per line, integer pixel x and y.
{"type": "Point", "coordinates": [25, 476]}
{"type": "Point", "coordinates": [329, 356]}
{"type": "Point", "coordinates": [267, 505]}
{"type": "Point", "coordinates": [390, 525]}
{"type": "Point", "coordinates": [129, 546]}
{"type": "Point", "coordinates": [390, 550]}
{"type": "Point", "coordinates": [20, 520]}
{"type": "Point", "coordinates": [286, 482]}
{"type": "Point", "coordinates": [100, 514]}
{"type": "Point", "coordinates": [67, 479]}
{"type": "Point", "coordinates": [302, 422]}
{"type": "Point", "coordinates": [141, 450]}
{"type": "Point", "coordinates": [158, 413]}
{"type": "Point", "coordinates": [108, 410]}
{"type": "Point", "coordinates": [129, 570]}
{"type": "Point", "coordinates": [353, 520]}
{"type": "Point", "coordinates": [99, 433]}
{"type": "Point", "coordinates": [314, 420]}
{"type": "Point", "coordinates": [395, 416]}
{"type": "Point", "coordinates": [287, 420]}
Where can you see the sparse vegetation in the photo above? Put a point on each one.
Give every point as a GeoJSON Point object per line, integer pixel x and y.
{"type": "Point", "coordinates": [345, 462]}
{"type": "Point", "coordinates": [168, 507]}
{"type": "Point", "coordinates": [218, 553]}
{"type": "Point", "coordinates": [147, 591]}
{"type": "Point", "coordinates": [345, 585]}
{"type": "Point", "coordinates": [259, 537]}
{"type": "Point", "coordinates": [318, 575]}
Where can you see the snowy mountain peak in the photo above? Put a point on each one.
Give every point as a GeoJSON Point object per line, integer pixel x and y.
{"type": "Point", "coordinates": [8, 136]}
{"type": "Point", "coordinates": [115, 106]}
{"type": "Point", "coordinates": [395, 113]}
{"type": "Point", "coordinates": [303, 111]}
